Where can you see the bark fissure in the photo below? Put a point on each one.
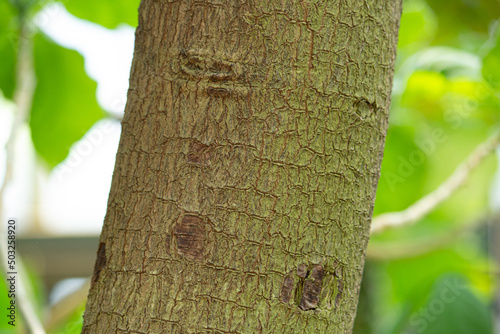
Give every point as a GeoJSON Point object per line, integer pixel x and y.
{"type": "Point", "coordinates": [100, 263]}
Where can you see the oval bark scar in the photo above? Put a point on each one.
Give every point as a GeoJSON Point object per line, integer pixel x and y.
{"type": "Point", "coordinates": [312, 289]}
{"type": "Point", "coordinates": [286, 290]}
{"type": "Point", "coordinates": [191, 239]}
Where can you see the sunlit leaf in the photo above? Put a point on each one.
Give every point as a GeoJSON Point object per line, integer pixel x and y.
{"type": "Point", "coordinates": [464, 87]}
{"type": "Point", "coordinates": [64, 105]}
{"type": "Point", "coordinates": [450, 62]}
{"type": "Point", "coordinates": [424, 92]}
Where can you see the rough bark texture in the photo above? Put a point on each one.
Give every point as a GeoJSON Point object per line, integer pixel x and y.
{"type": "Point", "coordinates": [247, 168]}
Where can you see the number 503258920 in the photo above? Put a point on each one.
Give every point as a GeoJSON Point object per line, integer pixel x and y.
{"type": "Point", "coordinates": [11, 242]}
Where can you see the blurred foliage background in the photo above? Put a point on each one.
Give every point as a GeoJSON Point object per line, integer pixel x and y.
{"type": "Point", "coordinates": [436, 276]}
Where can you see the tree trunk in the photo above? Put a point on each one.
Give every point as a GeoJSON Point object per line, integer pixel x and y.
{"type": "Point", "coordinates": [247, 168]}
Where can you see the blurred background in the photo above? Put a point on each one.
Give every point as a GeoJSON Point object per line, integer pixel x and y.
{"type": "Point", "coordinates": [64, 68]}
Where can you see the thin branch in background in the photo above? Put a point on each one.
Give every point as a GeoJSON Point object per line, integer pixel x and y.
{"type": "Point", "coordinates": [410, 248]}
{"type": "Point", "coordinates": [23, 98]}
{"type": "Point", "coordinates": [427, 203]}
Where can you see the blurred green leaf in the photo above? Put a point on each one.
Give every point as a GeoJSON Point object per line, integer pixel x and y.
{"type": "Point", "coordinates": [73, 324]}
{"type": "Point", "coordinates": [418, 24]}
{"type": "Point", "coordinates": [451, 308]}
{"type": "Point", "coordinates": [491, 67]}
{"type": "Point", "coordinates": [424, 91]}
{"type": "Point", "coordinates": [464, 23]}
{"type": "Point", "coordinates": [108, 13]}
{"type": "Point", "coordinates": [412, 279]}
{"type": "Point", "coordinates": [406, 287]}
{"type": "Point", "coordinates": [436, 96]}
{"type": "Point", "coordinates": [8, 44]}
{"type": "Point", "coordinates": [403, 170]}
{"type": "Point", "coordinates": [449, 62]}
{"type": "Point", "coordinates": [64, 105]}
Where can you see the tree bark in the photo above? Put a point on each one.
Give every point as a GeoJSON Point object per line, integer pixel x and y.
{"type": "Point", "coordinates": [247, 168]}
